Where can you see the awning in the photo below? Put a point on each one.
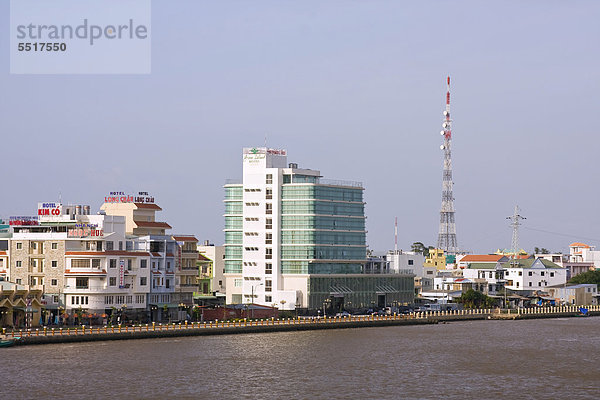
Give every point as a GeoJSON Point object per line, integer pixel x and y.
{"type": "Point", "coordinates": [169, 305]}
{"type": "Point", "coordinates": [383, 289]}
{"type": "Point", "coordinates": [339, 290]}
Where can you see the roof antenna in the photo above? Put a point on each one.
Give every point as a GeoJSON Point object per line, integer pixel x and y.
{"type": "Point", "coordinates": [60, 197]}
{"type": "Point", "coordinates": [265, 140]}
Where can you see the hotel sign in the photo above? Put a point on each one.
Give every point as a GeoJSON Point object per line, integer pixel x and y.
{"type": "Point", "coordinates": [121, 274]}
{"type": "Point", "coordinates": [49, 210]}
{"type": "Point", "coordinates": [121, 197]}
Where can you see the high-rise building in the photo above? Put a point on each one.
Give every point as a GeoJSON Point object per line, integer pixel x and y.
{"type": "Point", "coordinates": [294, 239]}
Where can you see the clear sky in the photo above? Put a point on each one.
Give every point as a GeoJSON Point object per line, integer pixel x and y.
{"type": "Point", "coordinates": [355, 89]}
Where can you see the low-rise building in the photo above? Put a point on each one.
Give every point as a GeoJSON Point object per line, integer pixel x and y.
{"type": "Point", "coordinates": [582, 294]}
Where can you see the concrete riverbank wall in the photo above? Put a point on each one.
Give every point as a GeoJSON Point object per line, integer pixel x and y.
{"type": "Point", "coordinates": [87, 334]}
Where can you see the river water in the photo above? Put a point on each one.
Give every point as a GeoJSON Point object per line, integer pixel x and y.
{"type": "Point", "coordinates": [531, 359]}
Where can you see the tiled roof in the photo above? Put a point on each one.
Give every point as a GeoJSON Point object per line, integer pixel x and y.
{"type": "Point", "coordinates": [155, 254]}
{"type": "Point", "coordinates": [482, 265]}
{"type": "Point", "coordinates": [527, 263]}
{"type": "Point", "coordinates": [185, 238]}
{"type": "Point", "coordinates": [203, 258]}
{"type": "Point", "coordinates": [2, 253]}
{"type": "Point", "coordinates": [482, 258]}
{"type": "Point", "coordinates": [68, 271]}
{"type": "Point", "coordinates": [152, 224]}
{"type": "Point", "coordinates": [148, 206]}
{"type": "Point", "coordinates": [579, 244]}
{"type": "Point", "coordinates": [108, 253]}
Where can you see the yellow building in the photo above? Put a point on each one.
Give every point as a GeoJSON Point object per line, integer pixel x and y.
{"type": "Point", "coordinates": [139, 217]}
{"type": "Point", "coordinates": [436, 258]}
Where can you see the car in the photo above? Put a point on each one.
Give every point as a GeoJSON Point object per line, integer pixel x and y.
{"type": "Point", "coordinates": [343, 314]}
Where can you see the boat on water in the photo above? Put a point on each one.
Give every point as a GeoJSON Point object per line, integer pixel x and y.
{"type": "Point", "coordinates": [8, 342]}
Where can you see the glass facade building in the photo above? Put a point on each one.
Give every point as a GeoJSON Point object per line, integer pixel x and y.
{"type": "Point", "coordinates": [322, 227]}
{"type": "Point", "coordinates": [233, 228]}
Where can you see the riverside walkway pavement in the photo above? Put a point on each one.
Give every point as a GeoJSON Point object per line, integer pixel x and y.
{"type": "Point", "coordinates": [146, 331]}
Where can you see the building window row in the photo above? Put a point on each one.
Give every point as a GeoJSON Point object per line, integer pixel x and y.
{"type": "Point", "coordinates": [79, 300]}
{"type": "Point", "coordinates": [251, 218]}
{"type": "Point", "coordinates": [269, 179]}
{"type": "Point", "coordinates": [251, 248]}
{"type": "Point", "coordinates": [252, 204]}
{"type": "Point", "coordinates": [251, 233]}
{"type": "Point", "coordinates": [250, 264]}
{"type": "Point", "coordinates": [252, 190]}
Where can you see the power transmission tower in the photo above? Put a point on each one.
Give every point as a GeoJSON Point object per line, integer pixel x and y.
{"type": "Point", "coordinates": [515, 222]}
{"type": "Point", "coordinates": [447, 232]}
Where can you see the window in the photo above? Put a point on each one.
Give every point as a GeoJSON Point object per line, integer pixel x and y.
{"type": "Point", "coordinates": [269, 179]}
{"type": "Point", "coordinates": [168, 264]}
{"type": "Point", "coordinates": [113, 263]}
{"type": "Point", "coordinates": [54, 246]}
{"type": "Point", "coordinates": [252, 204]}
{"type": "Point", "coordinates": [19, 281]}
{"type": "Point", "coordinates": [269, 208]}
{"type": "Point", "coordinates": [34, 245]}
{"type": "Point", "coordinates": [19, 264]}
{"type": "Point", "coordinates": [54, 282]}
{"type": "Point", "coordinates": [120, 299]}
{"type": "Point", "coordinates": [269, 194]}
{"type": "Point", "coordinates": [520, 273]}
{"type": "Point", "coordinates": [251, 233]}
{"type": "Point", "coordinates": [517, 284]}
{"type": "Point", "coordinates": [168, 283]}
{"type": "Point", "coordinates": [530, 273]}
{"type": "Point", "coordinates": [54, 264]}
{"type": "Point", "coordinates": [80, 263]}
{"type": "Point", "coordinates": [237, 282]}
{"type": "Point", "coordinates": [268, 253]}
{"type": "Point", "coordinates": [129, 299]}
{"type": "Point", "coordinates": [120, 245]}
{"type": "Point", "coordinates": [251, 218]}
{"type": "Point", "coordinates": [251, 248]}
{"type": "Point", "coordinates": [551, 274]}
{"type": "Point", "coordinates": [411, 262]}
{"type": "Point", "coordinates": [268, 268]}
{"type": "Point", "coordinates": [269, 238]}
{"type": "Point", "coordinates": [491, 275]}
{"type": "Point", "coordinates": [268, 285]}
{"type": "Point", "coordinates": [143, 263]}
{"type": "Point", "coordinates": [269, 223]}
{"type": "Point", "coordinates": [98, 246]}
{"type": "Point", "coordinates": [143, 281]}
{"type": "Point", "coordinates": [530, 284]}
{"type": "Point", "coordinates": [109, 246]}
{"type": "Point", "coordinates": [129, 264]}
{"type": "Point", "coordinates": [268, 299]}
{"type": "Point", "coordinates": [542, 273]}
{"type": "Point", "coordinates": [220, 283]}
{"type": "Point", "coordinates": [112, 281]}
{"type": "Point", "coordinates": [539, 283]}
{"type": "Point", "coordinates": [19, 246]}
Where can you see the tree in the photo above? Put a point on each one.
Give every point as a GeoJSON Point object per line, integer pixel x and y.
{"type": "Point", "coordinates": [475, 299]}
{"type": "Point", "coordinates": [542, 250]}
{"type": "Point", "coordinates": [587, 277]}
{"type": "Point", "coordinates": [419, 247]}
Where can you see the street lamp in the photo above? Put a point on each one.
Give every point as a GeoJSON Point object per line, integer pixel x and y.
{"type": "Point", "coordinates": [253, 287]}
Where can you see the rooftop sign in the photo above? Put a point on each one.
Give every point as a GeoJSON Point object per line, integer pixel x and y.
{"type": "Point", "coordinates": [121, 197]}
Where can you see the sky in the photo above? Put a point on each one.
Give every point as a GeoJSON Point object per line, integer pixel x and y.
{"type": "Point", "coordinates": [355, 89]}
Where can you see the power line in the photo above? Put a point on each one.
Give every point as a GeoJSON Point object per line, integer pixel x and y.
{"type": "Point", "coordinates": [562, 234]}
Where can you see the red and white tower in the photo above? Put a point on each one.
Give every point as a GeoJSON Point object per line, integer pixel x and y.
{"type": "Point", "coordinates": [447, 232]}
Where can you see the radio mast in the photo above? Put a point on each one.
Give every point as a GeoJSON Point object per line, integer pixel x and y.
{"type": "Point", "coordinates": [447, 232]}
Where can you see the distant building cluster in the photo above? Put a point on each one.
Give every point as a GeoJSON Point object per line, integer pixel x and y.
{"type": "Point", "coordinates": [68, 265]}
{"type": "Point", "coordinates": [294, 242]}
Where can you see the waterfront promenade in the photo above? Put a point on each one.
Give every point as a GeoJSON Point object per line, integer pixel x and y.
{"type": "Point", "coordinates": [87, 334]}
